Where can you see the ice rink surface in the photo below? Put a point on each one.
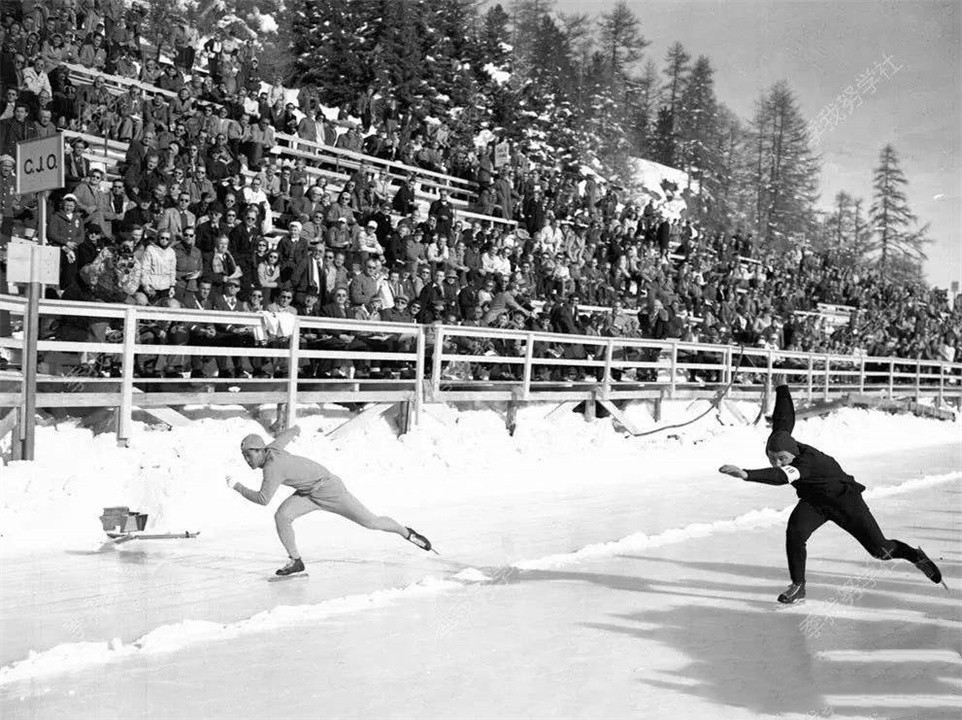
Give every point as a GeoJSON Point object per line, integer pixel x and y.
{"type": "Point", "coordinates": [523, 615]}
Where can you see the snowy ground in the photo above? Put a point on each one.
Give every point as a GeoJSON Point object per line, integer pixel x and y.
{"type": "Point", "coordinates": [524, 615]}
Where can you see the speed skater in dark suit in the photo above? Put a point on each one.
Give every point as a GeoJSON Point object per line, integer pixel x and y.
{"type": "Point", "coordinates": [825, 492]}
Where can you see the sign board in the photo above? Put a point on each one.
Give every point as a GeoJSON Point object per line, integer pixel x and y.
{"type": "Point", "coordinates": [502, 154]}
{"type": "Point", "coordinates": [40, 164]}
{"type": "Point", "coordinates": [47, 257]}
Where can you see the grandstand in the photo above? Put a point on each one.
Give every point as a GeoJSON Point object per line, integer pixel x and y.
{"type": "Point", "coordinates": [509, 271]}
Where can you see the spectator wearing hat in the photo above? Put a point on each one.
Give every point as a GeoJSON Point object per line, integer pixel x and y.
{"type": "Point", "coordinates": [199, 186]}
{"type": "Point", "coordinates": [14, 130]}
{"type": "Point", "coordinates": [231, 335]}
{"type": "Point", "coordinates": [293, 247]}
{"type": "Point", "coordinates": [93, 201]}
{"type": "Point", "coordinates": [443, 211]}
{"type": "Point", "coordinates": [399, 313]}
{"type": "Point", "coordinates": [505, 196]}
{"type": "Point", "coordinates": [210, 228]}
{"type": "Point", "coordinates": [10, 202]}
{"type": "Point", "coordinates": [339, 307]}
{"type": "Point", "coordinates": [339, 236]}
{"type": "Point", "coordinates": [366, 245]}
{"type": "Point", "coordinates": [65, 229]}
{"type": "Point", "coordinates": [433, 291]}
{"type": "Point", "coordinates": [190, 262]}
{"type": "Point", "coordinates": [178, 218]}
{"type": "Point", "coordinates": [364, 287]}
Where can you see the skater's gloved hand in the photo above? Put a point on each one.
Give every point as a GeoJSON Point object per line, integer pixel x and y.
{"type": "Point", "coordinates": [231, 482]}
{"type": "Point", "coordinates": [733, 470]}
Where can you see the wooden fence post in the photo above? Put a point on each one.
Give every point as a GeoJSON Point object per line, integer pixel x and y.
{"type": "Point", "coordinates": [828, 365]}
{"type": "Point", "coordinates": [941, 384]}
{"type": "Point", "coordinates": [674, 365]}
{"type": "Point", "coordinates": [419, 378]}
{"type": "Point", "coordinates": [609, 354]}
{"type": "Point", "coordinates": [436, 361]}
{"type": "Point", "coordinates": [528, 355]}
{"type": "Point", "coordinates": [891, 379]}
{"type": "Point", "coordinates": [125, 411]}
{"type": "Point", "coordinates": [292, 373]}
{"type": "Point", "coordinates": [811, 378]}
{"type": "Point", "coordinates": [918, 379]}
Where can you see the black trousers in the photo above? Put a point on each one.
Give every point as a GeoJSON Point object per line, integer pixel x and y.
{"type": "Point", "coordinates": [851, 514]}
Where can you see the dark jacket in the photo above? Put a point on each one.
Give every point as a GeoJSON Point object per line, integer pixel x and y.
{"type": "Point", "coordinates": [816, 477]}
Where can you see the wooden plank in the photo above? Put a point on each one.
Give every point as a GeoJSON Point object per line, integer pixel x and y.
{"type": "Point", "coordinates": [619, 416]}
{"type": "Point", "coordinates": [733, 409]}
{"type": "Point", "coordinates": [9, 423]}
{"type": "Point", "coordinates": [163, 414]}
{"type": "Point", "coordinates": [561, 409]}
{"type": "Point", "coordinates": [361, 420]}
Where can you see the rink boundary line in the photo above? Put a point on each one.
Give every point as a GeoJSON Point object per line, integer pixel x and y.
{"type": "Point", "coordinates": [172, 637]}
{"type": "Point", "coordinates": [752, 520]}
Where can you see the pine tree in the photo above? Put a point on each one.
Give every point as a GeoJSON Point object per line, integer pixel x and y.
{"type": "Point", "coordinates": [695, 121]}
{"type": "Point", "coordinates": [495, 34]}
{"type": "Point", "coordinates": [723, 193]}
{"type": "Point", "coordinates": [397, 62]}
{"type": "Point", "coordinates": [579, 37]}
{"type": "Point", "coordinates": [641, 96]}
{"type": "Point", "coordinates": [663, 141]}
{"type": "Point", "coordinates": [333, 40]}
{"type": "Point", "coordinates": [526, 18]}
{"type": "Point", "coordinates": [621, 40]}
{"type": "Point", "coordinates": [786, 168]}
{"type": "Point", "coordinates": [899, 242]}
{"type": "Point", "coordinates": [666, 129]}
{"type": "Point", "coordinates": [676, 72]}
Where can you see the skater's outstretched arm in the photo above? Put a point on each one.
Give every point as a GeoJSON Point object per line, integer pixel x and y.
{"type": "Point", "coordinates": [767, 476]}
{"type": "Point", "coordinates": [285, 437]}
{"type": "Point", "coordinates": [269, 486]}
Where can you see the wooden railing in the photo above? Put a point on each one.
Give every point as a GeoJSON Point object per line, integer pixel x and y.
{"type": "Point", "coordinates": [433, 363]}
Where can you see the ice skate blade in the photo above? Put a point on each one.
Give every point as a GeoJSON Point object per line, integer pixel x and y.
{"type": "Point", "coordinates": [281, 578]}
{"type": "Point", "coordinates": [781, 604]}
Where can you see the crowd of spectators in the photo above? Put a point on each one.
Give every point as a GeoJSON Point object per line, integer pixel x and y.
{"type": "Point", "coordinates": [202, 214]}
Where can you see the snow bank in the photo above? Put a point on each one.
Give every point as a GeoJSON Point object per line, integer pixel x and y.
{"type": "Point", "coordinates": [752, 520]}
{"type": "Point", "coordinates": [171, 638]}
{"type": "Point", "coordinates": [453, 457]}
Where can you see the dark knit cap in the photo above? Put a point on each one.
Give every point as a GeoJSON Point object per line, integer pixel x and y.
{"type": "Point", "coordinates": [781, 440]}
